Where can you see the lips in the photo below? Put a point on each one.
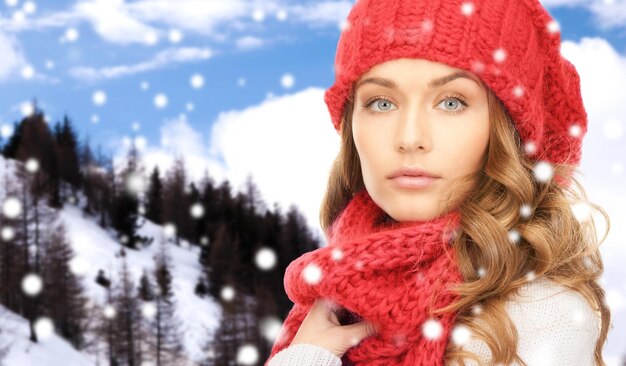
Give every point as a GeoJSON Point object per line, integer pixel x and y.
{"type": "Point", "coordinates": [412, 172]}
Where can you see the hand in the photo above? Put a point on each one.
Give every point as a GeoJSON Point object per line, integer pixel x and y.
{"type": "Point", "coordinates": [322, 328]}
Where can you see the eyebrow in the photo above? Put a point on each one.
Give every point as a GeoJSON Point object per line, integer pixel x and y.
{"type": "Point", "coordinates": [434, 83]}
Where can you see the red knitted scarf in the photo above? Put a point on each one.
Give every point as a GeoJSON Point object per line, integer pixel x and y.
{"type": "Point", "coordinates": [391, 274]}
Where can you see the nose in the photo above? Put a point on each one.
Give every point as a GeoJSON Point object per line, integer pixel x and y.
{"type": "Point", "coordinates": [413, 132]}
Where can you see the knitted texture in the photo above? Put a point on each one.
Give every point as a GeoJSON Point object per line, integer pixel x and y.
{"type": "Point", "coordinates": [391, 274]}
{"type": "Point", "coordinates": [513, 46]}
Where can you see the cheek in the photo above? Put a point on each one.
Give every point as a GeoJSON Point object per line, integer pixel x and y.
{"type": "Point", "coordinates": [467, 149]}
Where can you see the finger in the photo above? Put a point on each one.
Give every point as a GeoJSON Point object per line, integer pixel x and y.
{"type": "Point", "coordinates": [319, 309]}
{"type": "Point", "coordinates": [358, 331]}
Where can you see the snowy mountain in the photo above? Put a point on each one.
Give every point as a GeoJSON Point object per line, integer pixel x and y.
{"type": "Point", "coordinates": [95, 249]}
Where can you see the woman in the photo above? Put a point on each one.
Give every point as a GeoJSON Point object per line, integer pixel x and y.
{"type": "Point", "coordinates": [451, 213]}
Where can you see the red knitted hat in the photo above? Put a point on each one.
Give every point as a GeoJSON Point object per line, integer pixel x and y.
{"type": "Point", "coordinates": [513, 46]}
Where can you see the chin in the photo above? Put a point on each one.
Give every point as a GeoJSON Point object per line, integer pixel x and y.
{"type": "Point", "coordinates": [412, 215]}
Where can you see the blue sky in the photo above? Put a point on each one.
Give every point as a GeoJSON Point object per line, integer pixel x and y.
{"type": "Point", "coordinates": [260, 69]}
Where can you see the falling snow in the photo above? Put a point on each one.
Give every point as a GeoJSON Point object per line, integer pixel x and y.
{"type": "Point", "coordinates": [160, 100]}
{"type": "Point", "coordinates": [79, 266]}
{"type": "Point", "coordinates": [337, 254]}
{"type": "Point", "coordinates": [12, 208]}
{"type": "Point", "coordinates": [197, 81]}
{"type": "Point", "coordinates": [135, 183]}
{"type": "Point", "coordinates": [32, 165]}
{"type": "Point", "coordinates": [71, 35]}
{"type": "Point", "coordinates": [287, 81]}
{"type": "Point", "coordinates": [543, 171]}
{"type": "Point", "coordinates": [8, 233]}
{"type": "Point", "coordinates": [575, 130]}
{"type": "Point", "coordinates": [109, 311]}
{"type": "Point", "coordinates": [281, 15]}
{"type": "Point", "coordinates": [265, 259]}
{"type": "Point", "coordinates": [247, 355]}
{"type": "Point", "coordinates": [151, 39]}
{"type": "Point", "coordinates": [581, 211]}
{"type": "Point", "coordinates": [169, 230]}
{"type": "Point", "coordinates": [499, 55]}
{"type": "Point", "coordinates": [227, 293]}
{"type": "Point", "coordinates": [530, 147]}
{"type": "Point", "coordinates": [514, 236]}
{"type": "Point", "coordinates": [518, 91]}
{"type": "Point", "coordinates": [175, 36]}
{"type": "Point", "coordinates": [432, 329]}
{"type": "Point", "coordinates": [44, 328]}
{"type": "Point", "coordinates": [553, 26]}
{"type": "Point", "coordinates": [6, 131]}
{"type": "Point", "coordinates": [32, 284]}
{"type": "Point", "coordinates": [99, 97]}
{"type": "Point", "coordinates": [196, 210]}
{"type": "Point", "coordinates": [148, 310]}
{"type": "Point", "coordinates": [481, 272]}
{"type": "Point", "coordinates": [28, 72]}
{"type": "Point", "coordinates": [270, 327]}
{"type": "Point", "coordinates": [461, 334]}
{"type": "Point", "coordinates": [525, 210]}
{"type": "Point", "coordinates": [27, 108]}
{"type": "Point", "coordinates": [258, 15]}
{"type": "Point", "coordinates": [467, 8]}
{"type": "Point", "coordinates": [312, 274]}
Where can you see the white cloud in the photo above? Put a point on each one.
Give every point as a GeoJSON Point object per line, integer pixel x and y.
{"type": "Point", "coordinates": [322, 13]}
{"type": "Point", "coordinates": [112, 20]}
{"type": "Point", "coordinates": [609, 16]}
{"type": "Point", "coordinates": [286, 143]}
{"type": "Point", "coordinates": [556, 3]}
{"type": "Point", "coordinates": [607, 13]}
{"type": "Point", "coordinates": [178, 138]}
{"type": "Point", "coordinates": [162, 59]}
{"type": "Point", "coordinates": [12, 58]}
{"type": "Point", "coordinates": [603, 83]}
{"type": "Point", "coordinates": [249, 42]}
{"type": "Point", "coordinates": [201, 16]}
{"type": "Point", "coordinates": [148, 21]}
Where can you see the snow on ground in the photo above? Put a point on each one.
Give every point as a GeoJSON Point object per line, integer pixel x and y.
{"type": "Point", "coordinates": [94, 249]}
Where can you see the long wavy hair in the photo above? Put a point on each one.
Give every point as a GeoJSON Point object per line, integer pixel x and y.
{"type": "Point", "coordinates": [552, 242]}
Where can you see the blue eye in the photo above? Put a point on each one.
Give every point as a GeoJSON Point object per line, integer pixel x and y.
{"type": "Point", "coordinates": [372, 101]}
{"type": "Point", "coordinates": [456, 100]}
{"type": "Point", "coordinates": [380, 103]}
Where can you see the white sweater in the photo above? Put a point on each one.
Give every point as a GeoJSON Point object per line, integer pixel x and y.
{"type": "Point", "coordinates": [555, 326]}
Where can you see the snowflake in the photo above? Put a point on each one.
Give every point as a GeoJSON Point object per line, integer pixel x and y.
{"type": "Point", "coordinates": [312, 274]}
{"type": "Point", "coordinates": [265, 258]}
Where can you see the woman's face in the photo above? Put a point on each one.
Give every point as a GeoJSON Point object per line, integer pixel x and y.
{"type": "Point", "coordinates": [404, 118]}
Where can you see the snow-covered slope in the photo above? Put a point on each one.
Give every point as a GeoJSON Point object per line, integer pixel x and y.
{"type": "Point", "coordinates": [95, 249]}
{"type": "Point", "coordinates": [23, 352]}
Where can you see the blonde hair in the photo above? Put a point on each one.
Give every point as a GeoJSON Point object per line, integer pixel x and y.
{"type": "Point", "coordinates": [552, 244]}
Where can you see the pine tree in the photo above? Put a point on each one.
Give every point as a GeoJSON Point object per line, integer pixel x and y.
{"type": "Point", "coordinates": [63, 295]}
{"type": "Point", "coordinates": [67, 154]}
{"type": "Point", "coordinates": [167, 345]}
{"type": "Point", "coordinates": [154, 197]}
{"type": "Point", "coordinates": [89, 171]}
{"type": "Point", "coordinates": [224, 260]}
{"type": "Point", "coordinates": [146, 291]}
{"type": "Point", "coordinates": [175, 200]}
{"type": "Point", "coordinates": [128, 317]}
{"type": "Point", "coordinates": [125, 209]}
